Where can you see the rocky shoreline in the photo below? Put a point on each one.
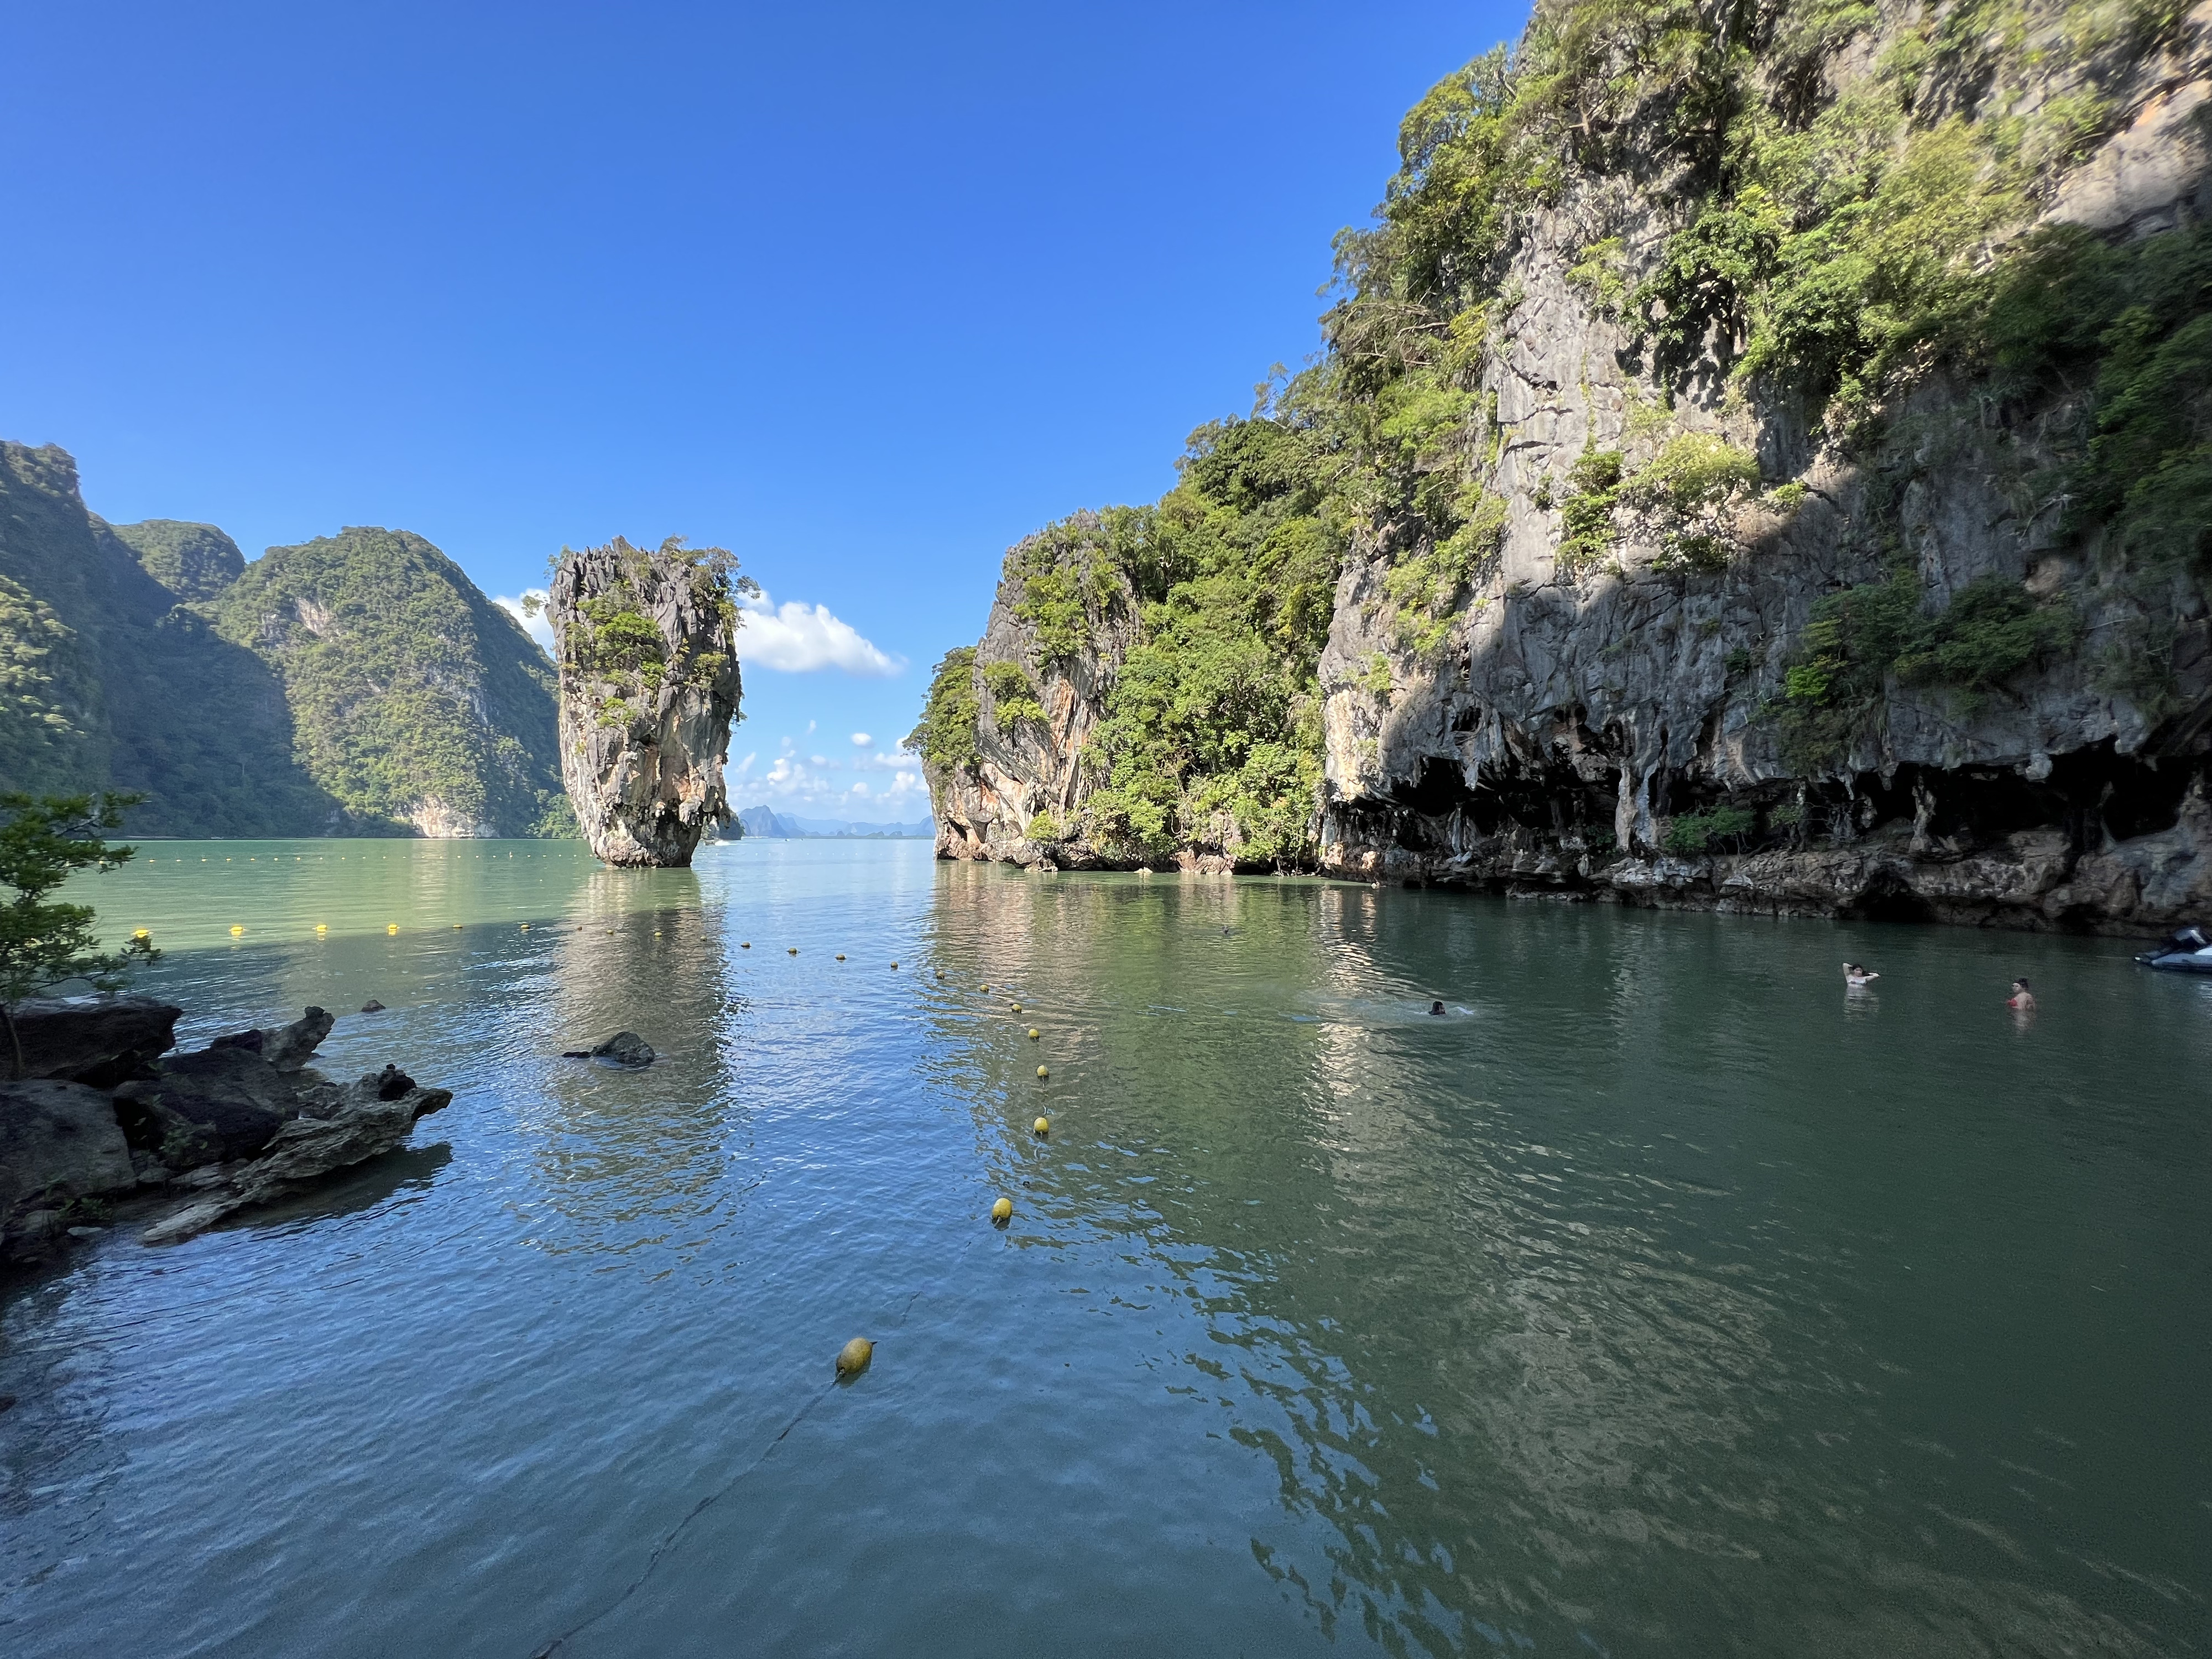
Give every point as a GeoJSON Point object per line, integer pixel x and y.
{"type": "Point", "coordinates": [106, 1124]}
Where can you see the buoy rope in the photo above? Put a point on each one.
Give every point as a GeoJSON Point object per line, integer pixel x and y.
{"type": "Point", "coordinates": [712, 1499]}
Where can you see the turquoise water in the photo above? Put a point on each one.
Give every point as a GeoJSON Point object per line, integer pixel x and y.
{"type": "Point", "coordinates": [1663, 1298]}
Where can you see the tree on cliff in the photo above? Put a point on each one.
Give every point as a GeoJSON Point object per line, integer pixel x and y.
{"type": "Point", "coordinates": [41, 943]}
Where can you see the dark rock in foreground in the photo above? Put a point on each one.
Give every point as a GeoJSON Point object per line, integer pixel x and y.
{"type": "Point", "coordinates": [99, 1041]}
{"type": "Point", "coordinates": [232, 1092]}
{"type": "Point", "coordinates": [337, 1127]}
{"type": "Point", "coordinates": [59, 1145]}
{"type": "Point", "coordinates": [239, 1122]}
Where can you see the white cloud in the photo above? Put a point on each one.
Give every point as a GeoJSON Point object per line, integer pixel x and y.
{"type": "Point", "coordinates": [802, 784]}
{"type": "Point", "coordinates": [861, 739]}
{"type": "Point", "coordinates": [886, 760]}
{"type": "Point", "coordinates": [797, 638]}
{"type": "Point", "coordinates": [537, 627]}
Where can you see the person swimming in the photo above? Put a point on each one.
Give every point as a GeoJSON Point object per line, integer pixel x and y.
{"type": "Point", "coordinates": [2022, 1001]}
{"type": "Point", "coordinates": [1435, 1007]}
{"type": "Point", "coordinates": [1857, 976]}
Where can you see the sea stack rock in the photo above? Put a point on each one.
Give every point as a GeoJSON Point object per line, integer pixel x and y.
{"type": "Point", "coordinates": [647, 646]}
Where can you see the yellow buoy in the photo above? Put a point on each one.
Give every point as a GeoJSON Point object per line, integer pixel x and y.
{"type": "Point", "coordinates": [793, 949]}
{"type": "Point", "coordinates": [235, 931]}
{"type": "Point", "coordinates": [1003, 1211]}
{"type": "Point", "coordinates": [141, 932]}
{"type": "Point", "coordinates": [986, 987]}
{"type": "Point", "coordinates": [457, 926]}
{"type": "Point", "coordinates": [1033, 1033]}
{"type": "Point", "coordinates": [853, 1359]}
{"type": "Point", "coordinates": [1041, 1073]}
{"type": "Point", "coordinates": [1042, 1126]}
{"type": "Point", "coordinates": [526, 927]}
{"type": "Point", "coordinates": [1018, 1008]}
{"type": "Point", "coordinates": [747, 946]}
{"type": "Point", "coordinates": [322, 927]}
{"type": "Point", "coordinates": [840, 956]}
{"type": "Point", "coordinates": [894, 967]}
{"type": "Point", "coordinates": [391, 926]}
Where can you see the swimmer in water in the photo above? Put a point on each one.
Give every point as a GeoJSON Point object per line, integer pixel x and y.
{"type": "Point", "coordinates": [1858, 976]}
{"type": "Point", "coordinates": [2022, 1001]}
{"type": "Point", "coordinates": [1435, 1007]}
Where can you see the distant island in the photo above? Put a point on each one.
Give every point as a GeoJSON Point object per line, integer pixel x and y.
{"type": "Point", "coordinates": [355, 684]}
{"type": "Point", "coordinates": [760, 821]}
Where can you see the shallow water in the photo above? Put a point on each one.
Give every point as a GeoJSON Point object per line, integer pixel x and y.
{"type": "Point", "coordinates": [1663, 1298]}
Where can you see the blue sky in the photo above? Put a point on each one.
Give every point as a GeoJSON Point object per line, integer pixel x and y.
{"type": "Point", "coordinates": [864, 293]}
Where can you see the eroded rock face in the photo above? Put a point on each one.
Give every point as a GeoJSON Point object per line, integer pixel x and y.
{"type": "Point", "coordinates": [1579, 722]}
{"type": "Point", "coordinates": [649, 686]}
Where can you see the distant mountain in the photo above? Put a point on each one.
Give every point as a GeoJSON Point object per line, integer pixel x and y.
{"type": "Point", "coordinates": [417, 702]}
{"type": "Point", "coordinates": [360, 683]}
{"type": "Point", "coordinates": [762, 820]}
{"type": "Point", "coordinates": [107, 680]}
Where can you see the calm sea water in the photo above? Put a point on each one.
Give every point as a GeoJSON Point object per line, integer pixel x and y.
{"type": "Point", "coordinates": [1663, 1298]}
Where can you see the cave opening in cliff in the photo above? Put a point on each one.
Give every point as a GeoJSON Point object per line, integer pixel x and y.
{"type": "Point", "coordinates": [2089, 794]}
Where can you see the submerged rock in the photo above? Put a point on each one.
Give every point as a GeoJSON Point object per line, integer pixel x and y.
{"type": "Point", "coordinates": [625, 1048]}
{"type": "Point", "coordinates": [337, 1127]}
{"type": "Point", "coordinates": [99, 1041]}
{"type": "Point", "coordinates": [649, 685]}
{"type": "Point", "coordinates": [59, 1143]}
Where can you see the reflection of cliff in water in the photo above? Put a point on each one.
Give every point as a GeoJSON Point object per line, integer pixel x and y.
{"type": "Point", "coordinates": [635, 1160]}
{"type": "Point", "coordinates": [1513, 1366]}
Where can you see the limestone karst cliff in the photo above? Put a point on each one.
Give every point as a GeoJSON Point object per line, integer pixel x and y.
{"type": "Point", "coordinates": [1762, 464]}
{"type": "Point", "coordinates": [359, 684]}
{"type": "Point", "coordinates": [649, 685]}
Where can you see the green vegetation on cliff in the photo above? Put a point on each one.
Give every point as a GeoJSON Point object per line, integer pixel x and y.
{"type": "Point", "coordinates": [1849, 203]}
{"type": "Point", "coordinates": [106, 682]}
{"type": "Point", "coordinates": [1211, 728]}
{"type": "Point", "coordinates": [357, 684]}
{"type": "Point", "coordinates": [418, 704]}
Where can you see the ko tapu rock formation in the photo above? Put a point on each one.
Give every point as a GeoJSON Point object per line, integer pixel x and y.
{"type": "Point", "coordinates": [647, 645]}
{"type": "Point", "coordinates": [1760, 463]}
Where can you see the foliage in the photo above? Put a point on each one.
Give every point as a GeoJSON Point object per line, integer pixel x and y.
{"type": "Point", "coordinates": [1992, 630]}
{"type": "Point", "coordinates": [107, 682]}
{"type": "Point", "coordinates": [946, 734]}
{"type": "Point", "coordinates": [1427, 587]}
{"type": "Point", "coordinates": [2135, 321]}
{"type": "Point", "coordinates": [191, 560]}
{"type": "Point", "coordinates": [1693, 471]}
{"type": "Point", "coordinates": [40, 722]}
{"type": "Point", "coordinates": [1214, 714]}
{"type": "Point", "coordinates": [1012, 699]}
{"type": "Point", "coordinates": [406, 685]}
{"type": "Point", "coordinates": [1044, 826]}
{"type": "Point", "coordinates": [1594, 489]}
{"type": "Point", "coordinates": [42, 841]}
{"type": "Point", "coordinates": [1699, 832]}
